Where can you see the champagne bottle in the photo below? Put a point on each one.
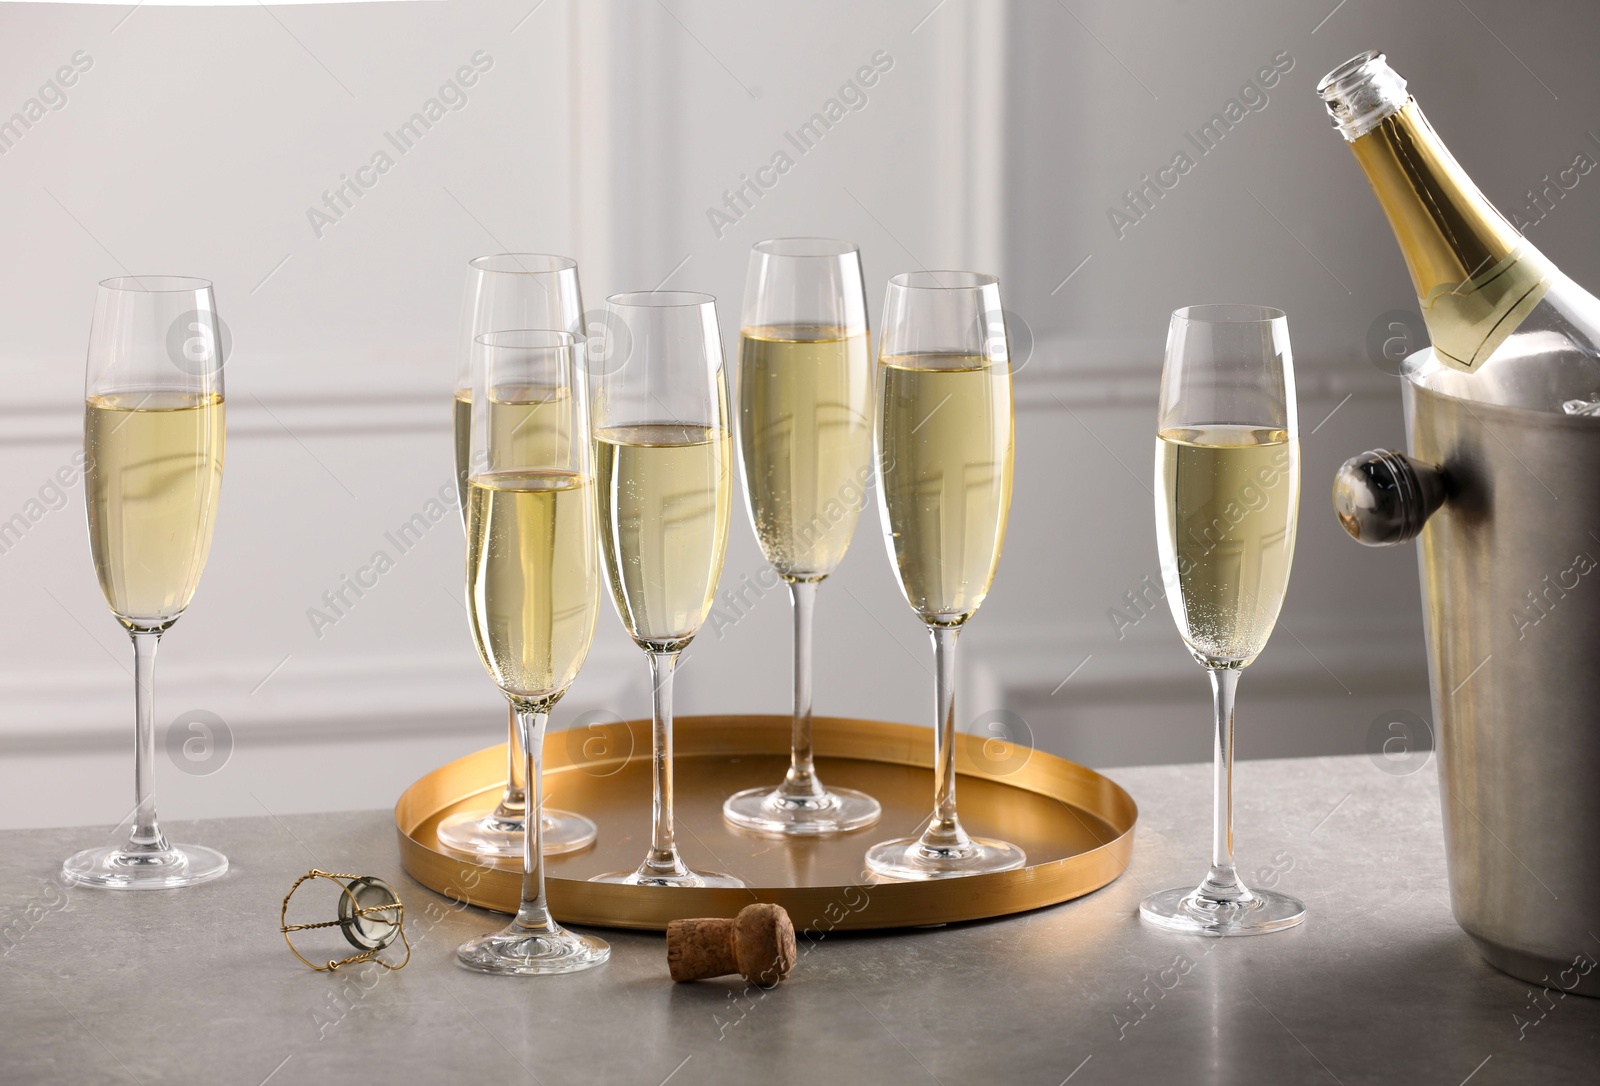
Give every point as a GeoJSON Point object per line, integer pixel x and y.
{"type": "Point", "coordinates": [1507, 326]}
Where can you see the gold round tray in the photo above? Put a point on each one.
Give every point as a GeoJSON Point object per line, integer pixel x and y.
{"type": "Point", "coordinates": [1075, 825]}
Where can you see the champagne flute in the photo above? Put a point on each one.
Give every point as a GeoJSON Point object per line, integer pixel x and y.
{"type": "Point", "coordinates": [805, 432]}
{"type": "Point", "coordinates": [533, 590]}
{"type": "Point", "coordinates": [1227, 498]}
{"type": "Point", "coordinates": [153, 437]}
{"type": "Point", "coordinates": [511, 290]}
{"type": "Point", "coordinates": [944, 445]}
{"type": "Point", "coordinates": [663, 464]}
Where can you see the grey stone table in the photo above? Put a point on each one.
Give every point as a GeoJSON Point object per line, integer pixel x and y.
{"type": "Point", "coordinates": [1378, 985]}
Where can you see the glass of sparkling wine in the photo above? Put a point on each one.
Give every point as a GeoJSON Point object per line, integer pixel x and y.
{"type": "Point", "coordinates": [1227, 499]}
{"type": "Point", "coordinates": [805, 432]}
{"type": "Point", "coordinates": [663, 466]}
{"type": "Point", "coordinates": [533, 590]}
{"type": "Point", "coordinates": [153, 439]}
{"type": "Point", "coordinates": [511, 290]}
{"type": "Point", "coordinates": [944, 446]}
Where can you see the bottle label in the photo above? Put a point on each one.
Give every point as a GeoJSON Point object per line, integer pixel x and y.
{"type": "Point", "coordinates": [1468, 320]}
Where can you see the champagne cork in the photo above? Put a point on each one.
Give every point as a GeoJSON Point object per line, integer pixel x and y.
{"type": "Point", "coordinates": [758, 944]}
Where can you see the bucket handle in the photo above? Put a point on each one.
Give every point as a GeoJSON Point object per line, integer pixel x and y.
{"type": "Point", "coordinates": [1383, 497]}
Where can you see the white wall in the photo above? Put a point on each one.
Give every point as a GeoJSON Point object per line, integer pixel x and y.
{"type": "Point", "coordinates": [199, 138]}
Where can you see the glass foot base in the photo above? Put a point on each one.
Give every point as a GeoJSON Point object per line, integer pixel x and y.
{"type": "Point", "coordinates": [1182, 910]}
{"type": "Point", "coordinates": [767, 811]}
{"type": "Point", "coordinates": [117, 869]}
{"type": "Point", "coordinates": [650, 876]}
{"type": "Point", "coordinates": [484, 836]}
{"type": "Point", "coordinates": [908, 858]}
{"type": "Point", "coordinates": [519, 952]}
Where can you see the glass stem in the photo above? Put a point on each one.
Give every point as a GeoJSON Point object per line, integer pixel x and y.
{"type": "Point", "coordinates": [944, 831]}
{"type": "Point", "coordinates": [801, 780]}
{"type": "Point", "coordinates": [1223, 884]}
{"type": "Point", "coordinates": [532, 913]}
{"type": "Point", "coordinates": [514, 801]}
{"type": "Point", "coordinates": [663, 856]}
{"type": "Point", "coordinates": [146, 836]}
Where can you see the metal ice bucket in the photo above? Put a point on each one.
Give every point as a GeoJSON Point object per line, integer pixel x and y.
{"type": "Point", "coordinates": [1507, 503]}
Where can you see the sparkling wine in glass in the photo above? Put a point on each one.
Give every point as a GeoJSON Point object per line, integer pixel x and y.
{"type": "Point", "coordinates": [533, 590]}
{"type": "Point", "coordinates": [663, 467]}
{"type": "Point", "coordinates": [805, 432]}
{"type": "Point", "coordinates": [1227, 499]}
{"type": "Point", "coordinates": [153, 436]}
{"type": "Point", "coordinates": [944, 448]}
{"type": "Point", "coordinates": [513, 290]}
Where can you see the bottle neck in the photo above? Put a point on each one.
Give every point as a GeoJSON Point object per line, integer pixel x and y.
{"type": "Point", "coordinates": [1476, 277]}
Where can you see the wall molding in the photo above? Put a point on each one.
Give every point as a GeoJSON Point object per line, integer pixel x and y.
{"type": "Point", "coordinates": [270, 402]}
{"type": "Point", "coordinates": [1031, 656]}
{"type": "Point", "coordinates": [1060, 372]}
{"type": "Point", "coordinates": [971, 40]}
{"type": "Point", "coordinates": [1079, 372]}
{"type": "Point", "coordinates": [306, 700]}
